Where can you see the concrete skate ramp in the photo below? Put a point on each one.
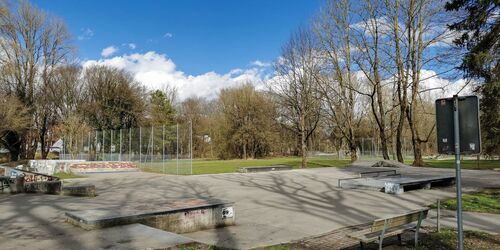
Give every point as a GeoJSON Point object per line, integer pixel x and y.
{"type": "Point", "coordinates": [257, 169]}
{"type": "Point", "coordinates": [396, 184]}
{"type": "Point", "coordinates": [179, 216]}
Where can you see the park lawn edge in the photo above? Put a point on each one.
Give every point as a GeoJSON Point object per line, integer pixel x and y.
{"type": "Point", "coordinates": [484, 201]}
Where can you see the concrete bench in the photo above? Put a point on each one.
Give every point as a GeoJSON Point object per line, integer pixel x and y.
{"type": "Point", "coordinates": [81, 190]}
{"type": "Point", "coordinates": [43, 187]}
{"type": "Point", "coordinates": [391, 226]}
{"type": "Point", "coordinates": [180, 216]}
{"type": "Point", "coordinates": [257, 169]}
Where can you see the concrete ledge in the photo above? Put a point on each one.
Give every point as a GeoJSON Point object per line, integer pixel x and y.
{"type": "Point", "coordinates": [264, 168]}
{"type": "Point", "coordinates": [176, 216]}
{"type": "Point", "coordinates": [43, 187]}
{"type": "Point", "coordinates": [83, 190]}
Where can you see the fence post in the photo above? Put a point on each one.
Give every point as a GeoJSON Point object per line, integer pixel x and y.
{"type": "Point", "coordinates": [111, 144]}
{"type": "Point", "coordinates": [88, 149]}
{"type": "Point", "coordinates": [152, 143]}
{"type": "Point", "coordinates": [163, 147]}
{"type": "Point", "coordinates": [191, 147]}
{"type": "Point", "coordinates": [177, 151]}
{"type": "Point", "coordinates": [129, 144]}
{"type": "Point", "coordinates": [103, 132]}
{"type": "Point", "coordinates": [120, 156]}
{"type": "Point", "coordinates": [140, 144]}
{"type": "Point", "coordinates": [438, 215]}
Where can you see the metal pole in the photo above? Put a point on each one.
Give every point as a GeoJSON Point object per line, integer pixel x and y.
{"type": "Point", "coordinates": [129, 144]}
{"type": "Point", "coordinates": [177, 151]}
{"type": "Point", "coordinates": [460, 235]}
{"type": "Point", "coordinates": [362, 146]}
{"type": "Point", "coordinates": [63, 152]}
{"type": "Point", "coordinates": [71, 145]}
{"type": "Point", "coordinates": [111, 144]}
{"type": "Point", "coordinates": [140, 144]}
{"type": "Point", "coordinates": [88, 149]}
{"type": "Point", "coordinates": [96, 142]}
{"type": "Point", "coordinates": [103, 131]}
{"type": "Point", "coordinates": [190, 147]}
{"type": "Point", "coordinates": [152, 143]}
{"type": "Point", "coordinates": [120, 157]}
{"type": "Point", "coordinates": [163, 147]}
{"type": "Point", "coordinates": [438, 215]}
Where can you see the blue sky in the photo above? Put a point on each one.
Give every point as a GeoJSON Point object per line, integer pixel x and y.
{"type": "Point", "coordinates": [198, 36]}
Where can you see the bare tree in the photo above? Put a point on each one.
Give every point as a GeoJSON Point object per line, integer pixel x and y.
{"type": "Point", "coordinates": [338, 84]}
{"type": "Point", "coordinates": [295, 87]}
{"type": "Point", "coordinates": [369, 38]}
{"type": "Point", "coordinates": [14, 117]}
{"type": "Point", "coordinates": [417, 29]}
{"type": "Point", "coordinates": [32, 44]}
{"type": "Point", "coordinates": [114, 99]}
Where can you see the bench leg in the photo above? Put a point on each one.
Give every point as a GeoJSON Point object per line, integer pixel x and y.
{"type": "Point", "coordinates": [361, 245]}
{"type": "Point", "coordinates": [399, 240]}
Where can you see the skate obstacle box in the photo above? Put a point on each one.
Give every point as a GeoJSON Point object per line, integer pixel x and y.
{"type": "Point", "coordinates": [391, 182]}
{"type": "Point", "coordinates": [257, 169]}
{"type": "Point", "coordinates": [179, 216]}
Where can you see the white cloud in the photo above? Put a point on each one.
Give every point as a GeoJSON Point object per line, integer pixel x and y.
{"type": "Point", "coordinates": [155, 71]}
{"type": "Point", "coordinates": [85, 34]}
{"type": "Point", "coordinates": [259, 63]}
{"type": "Point", "coordinates": [442, 88]}
{"type": "Point", "coordinates": [168, 35]}
{"type": "Point", "coordinates": [132, 46]}
{"type": "Point", "coordinates": [109, 51]}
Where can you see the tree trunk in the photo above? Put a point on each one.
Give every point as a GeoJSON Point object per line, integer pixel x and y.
{"type": "Point", "coordinates": [417, 151]}
{"type": "Point", "coordinates": [303, 143]}
{"type": "Point", "coordinates": [399, 135]}
{"type": "Point", "coordinates": [245, 150]}
{"type": "Point", "coordinates": [354, 156]}
{"type": "Point", "coordinates": [13, 142]}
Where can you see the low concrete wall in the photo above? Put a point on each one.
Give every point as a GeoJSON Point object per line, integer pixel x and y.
{"type": "Point", "coordinates": [191, 220]}
{"type": "Point", "coordinates": [43, 187]}
{"type": "Point", "coordinates": [83, 190]}
{"type": "Point", "coordinates": [182, 216]}
{"type": "Point", "coordinates": [51, 167]}
{"type": "Point", "coordinates": [264, 168]}
{"type": "Point", "coordinates": [104, 167]}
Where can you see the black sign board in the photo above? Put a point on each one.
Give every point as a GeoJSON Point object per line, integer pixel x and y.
{"type": "Point", "coordinates": [468, 116]}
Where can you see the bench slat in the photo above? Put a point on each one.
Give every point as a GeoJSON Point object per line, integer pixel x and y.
{"type": "Point", "coordinates": [370, 237]}
{"type": "Point", "coordinates": [378, 225]}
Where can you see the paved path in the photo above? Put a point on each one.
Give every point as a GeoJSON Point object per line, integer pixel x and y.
{"type": "Point", "coordinates": [489, 223]}
{"type": "Point", "coordinates": [271, 208]}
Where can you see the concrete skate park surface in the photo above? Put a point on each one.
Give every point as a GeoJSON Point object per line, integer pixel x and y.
{"type": "Point", "coordinates": [271, 207]}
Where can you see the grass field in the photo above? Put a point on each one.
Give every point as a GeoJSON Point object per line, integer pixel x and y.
{"type": "Point", "coordinates": [465, 164]}
{"type": "Point", "coordinates": [486, 201]}
{"type": "Point", "coordinates": [231, 166]}
{"type": "Point", "coordinates": [204, 166]}
{"type": "Point", "coordinates": [63, 175]}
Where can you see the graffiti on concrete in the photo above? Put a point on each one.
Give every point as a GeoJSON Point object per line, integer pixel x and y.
{"type": "Point", "coordinates": [104, 166]}
{"type": "Point", "coordinates": [49, 167]}
{"type": "Point", "coordinates": [194, 213]}
{"type": "Point", "coordinates": [37, 178]}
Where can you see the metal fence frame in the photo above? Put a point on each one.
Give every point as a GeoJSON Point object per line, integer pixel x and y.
{"type": "Point", "coordinates": [147, 146]}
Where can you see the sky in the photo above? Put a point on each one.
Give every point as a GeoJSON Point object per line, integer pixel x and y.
{"type": "Point", "coordinates": [196, 46]}
{"type": "Point", "coordinates": [199, 36]}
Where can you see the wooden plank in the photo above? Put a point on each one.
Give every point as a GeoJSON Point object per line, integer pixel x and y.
{"type": "Point", "coordinates": [378, 225]}
{"type": "Point", "coordinates": [370, 237]}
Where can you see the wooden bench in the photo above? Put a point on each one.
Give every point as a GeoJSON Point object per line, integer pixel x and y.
{"type": "Point", "coordinates": [391, 226]}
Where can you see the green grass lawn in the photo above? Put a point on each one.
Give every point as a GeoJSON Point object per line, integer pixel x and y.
{"type": "Point", "coordinates": [486, 201]}
{"type": "Point", "coordinates": [231, 166]}
{"type": "Point", "coordinates": [465, 164]}
{"type": "Point", "coordinates": [63, 175]}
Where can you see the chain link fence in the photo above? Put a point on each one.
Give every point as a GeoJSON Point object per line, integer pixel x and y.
{"type": "Point", "coordinates": [166, 149]}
